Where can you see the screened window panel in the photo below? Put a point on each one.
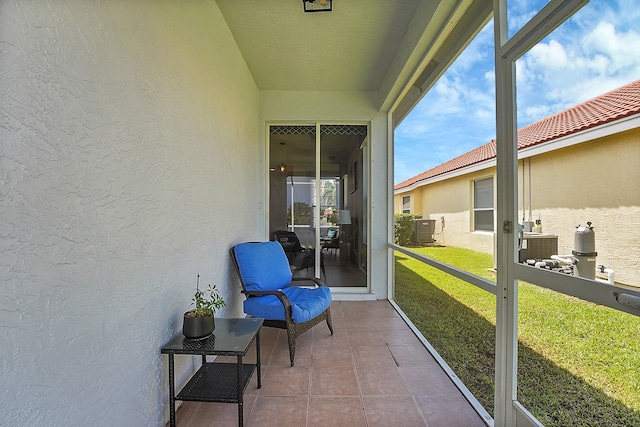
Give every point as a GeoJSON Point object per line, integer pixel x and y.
{"type": "Point", "coordinates": [483, 220]}
{"type": "Point", "coordinates": [406, 204]}
{"type": "Point", "coordinates": [483, 194]}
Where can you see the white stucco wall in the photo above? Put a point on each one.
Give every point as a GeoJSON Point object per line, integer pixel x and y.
{"type": "Point", "coordinates": [350, 108]}
{"type": "Point", "coordinates": [129, 140]}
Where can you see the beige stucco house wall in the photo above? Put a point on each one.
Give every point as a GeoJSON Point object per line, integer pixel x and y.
{"type": "Point", "coordinates": [448, 202]}
{"type": "Point", "coordinates": [570, 182]}
{"type": "Point", "coordinates": [597, 181]}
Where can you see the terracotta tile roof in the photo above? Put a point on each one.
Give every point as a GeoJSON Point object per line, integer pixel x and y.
{"type": "Point", "coordinates": [611, 106]}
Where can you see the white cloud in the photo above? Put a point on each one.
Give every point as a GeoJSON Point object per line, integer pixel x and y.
{"type": "Point", "coordinates": [622, 49]}
{"type": "Point", "coordinates": [447, 97]}
{"type": "Point", "coordinates": [538, 111]}
{"type": "Point", "coordinates": [550, 57]}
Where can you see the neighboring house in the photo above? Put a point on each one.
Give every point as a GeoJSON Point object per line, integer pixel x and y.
{"type": "Point", "coordinates": [576, 166]}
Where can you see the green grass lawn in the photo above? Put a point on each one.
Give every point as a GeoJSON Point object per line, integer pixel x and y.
{"type": "Point", "coordinates": [579, 363]}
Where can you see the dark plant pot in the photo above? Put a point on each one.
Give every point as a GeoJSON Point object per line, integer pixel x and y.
{"type": "Point", "coordinates": [197, 327]}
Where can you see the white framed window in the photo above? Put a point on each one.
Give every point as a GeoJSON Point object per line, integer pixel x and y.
{"type": "Point", "coordinates": [483, 204]}
{"type": "Point", "coordinates": [406, 204]}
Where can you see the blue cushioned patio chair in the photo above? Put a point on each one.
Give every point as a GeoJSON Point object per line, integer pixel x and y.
{"type": "Point", "coordinates": [272, 294]}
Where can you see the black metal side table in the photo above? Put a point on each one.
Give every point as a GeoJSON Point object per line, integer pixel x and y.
{"type": "Point", "coordinates": [217, 382]}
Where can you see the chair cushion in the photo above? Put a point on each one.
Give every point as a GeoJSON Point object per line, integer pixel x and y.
{"type": "Point", "coordinates": [263, 266]}
{"type": "Point", "coordinates": [306, 304]}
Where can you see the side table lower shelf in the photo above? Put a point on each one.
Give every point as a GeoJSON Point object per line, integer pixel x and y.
{"type": "Point", "coordinates": [216, 382]}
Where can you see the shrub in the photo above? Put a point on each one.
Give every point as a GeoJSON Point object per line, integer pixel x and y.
{"type": "Point", "coordinates": [403, 224]}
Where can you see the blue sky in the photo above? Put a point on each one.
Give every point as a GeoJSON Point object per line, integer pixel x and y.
{"type": "Point", "coordinates": [595, 51]}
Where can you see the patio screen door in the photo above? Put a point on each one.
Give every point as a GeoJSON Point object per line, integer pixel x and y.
{"type": "Point", "coordinates": [317, 190]}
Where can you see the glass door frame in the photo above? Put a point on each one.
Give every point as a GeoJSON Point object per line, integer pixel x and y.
{"type": "Point", "coordinates": [366, 180]}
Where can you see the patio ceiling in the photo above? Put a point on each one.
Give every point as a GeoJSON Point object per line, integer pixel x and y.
{"type": "Point", "coordinates": [377, 45]}
{"type": "Point", "coordinates": [348, 49]}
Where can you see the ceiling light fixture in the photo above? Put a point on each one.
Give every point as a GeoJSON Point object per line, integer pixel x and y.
{"type": "Point", "coordinates": [282, 167]}
{"type": "Point", "coordinates": [317, 5]}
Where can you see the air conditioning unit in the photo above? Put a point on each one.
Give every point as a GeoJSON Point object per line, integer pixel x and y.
{"type": "Point", "coordinates": [538, 246]}
{"type": "Point", "coordinates": [423, 230]}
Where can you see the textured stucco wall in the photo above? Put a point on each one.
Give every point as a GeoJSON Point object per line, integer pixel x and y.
{"type": "Point", "coordinates": [129, 145]}
{"type": "Point", "coordinates": [598, 181]}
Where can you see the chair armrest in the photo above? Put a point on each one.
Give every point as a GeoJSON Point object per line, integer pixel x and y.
{"type": "Point", "coordinates": [284, 299]}
{"type": "Point", "coordinates": [318, 282]}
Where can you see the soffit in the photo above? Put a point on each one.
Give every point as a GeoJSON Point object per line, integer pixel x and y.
{"type": "Point", "coordinates": [348, 49]}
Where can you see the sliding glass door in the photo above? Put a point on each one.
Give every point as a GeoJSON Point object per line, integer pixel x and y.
{"type": "Point", "coordinates": [317, 198]}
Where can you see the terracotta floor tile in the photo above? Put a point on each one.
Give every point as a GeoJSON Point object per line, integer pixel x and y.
{"type": "Point", "coordinates": [336, 321]}
{"type": "Point", "coordinates": [385, 411]}
{"type": "Point", "coordinates": [331, 356]}
{"type": "Point", "coordinates": [428, 381]}
{"type": "Point", "coordinates": [221, 414]}
{"type": "Point", "coordinates": [411, 355]}
{"type": "Point", "coordinates": [185, 413]}
{"type": "Point", "coordinates": [382, 308]}
{"type": "Point", "coordinates": [324, 338]}
{"type": "Point", "coordinates": [449, 411]}
{"type": "Point", "coordinates": [280, 355]}
{"type": "Point", "coordinates": [364, 321]}
{"type": "Point", "coordinates": [399, 336]}
{"type": "Point", "coordinates": [334, 382]}
{"type": "Point", "coordinates": [279, 412]}
{"type": "Point", "coordinates": [373, 356]}
{"type": "Point", "coordinates": [390, 323]}
{"type": "Point", "coordinates": [306, 339]}
{"type": "Point", "coordinates": [349, 307]}
{"type": "Point", "coordinates": [341, 411]}
{"type": "Point", "coordinates": [364, 337]}
{"type": "Point", "coordinates": [381, 381]}
{"type": "Point", "coordinates": [323, 330]}
{"type": "Point", "coordinates": [285, 381]}
{"type": "Point", "coordinates": [252, 387]}
{"type": "Point", "coordinates": [378, 303]}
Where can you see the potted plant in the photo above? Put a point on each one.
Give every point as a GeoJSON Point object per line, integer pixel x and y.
{"type": "Point", "coordinates": [199, 322]}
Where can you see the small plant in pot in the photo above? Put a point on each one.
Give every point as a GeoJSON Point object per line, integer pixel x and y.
{"type": "Point", "coordinates": [199, 322]}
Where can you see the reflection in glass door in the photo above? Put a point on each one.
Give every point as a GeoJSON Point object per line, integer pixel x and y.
{"type": "Point", "coordinates": [318, 198]}
{"type": "Point", "coordinates": [292, 198]}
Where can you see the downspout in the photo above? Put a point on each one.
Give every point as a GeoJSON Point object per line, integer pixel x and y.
{"type": "Point", "coordinates": [524, 206]}
{"type": "Point", "coordinates": [530, 213]}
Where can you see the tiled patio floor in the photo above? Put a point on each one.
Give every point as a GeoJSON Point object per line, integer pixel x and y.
{"type": "Point", "coordinates": [372, 372]}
